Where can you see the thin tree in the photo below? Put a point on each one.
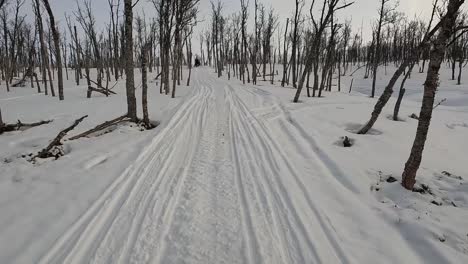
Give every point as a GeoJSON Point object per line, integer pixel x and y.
{"type": "Point", "coordinates": [129, 64]}
{"type": "Point", "coordinates": [388, 91]}
{"type": "Point", "coordinates": [58, 56]}
{"type": "Point", "coordinates": [328, 9]}
{"type": "Point", "coordinates": [430, 87]}
{"type": "Point", "coordinates": [386, 15]}
{"type": "Point", "coordinates": [294, 42]}
{"type": "Point", "coordinates": [144, 81]}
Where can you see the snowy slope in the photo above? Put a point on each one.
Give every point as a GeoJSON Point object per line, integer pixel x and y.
{"type": "Point", "coordinates": [234, 174]}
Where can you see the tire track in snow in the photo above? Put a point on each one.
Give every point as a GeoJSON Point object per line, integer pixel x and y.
{"type": "Point", "coordinates": [154, 226]}
{"type": "Point", "coordinates": [207, 223]}
{"type": "Point", "coordinates": [80, 242]}
{"type": "Point", "coordinates": [272, 151]}
{"type": "Point", "coordinates": [327, 163]}
{"type": "Point", "coordinates": [265, 191]}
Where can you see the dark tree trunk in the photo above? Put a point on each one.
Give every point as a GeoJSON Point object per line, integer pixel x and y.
{"type": "Point", "coordinates": [430, 88]}
{"type": "Point", "coordinates": [129, 71]}
{"type": "Point", "coordinates": [396, 110]}
{"type": "Point", "coordinates": [58, 56]}
{"type": "Point", "coordinates": [144, 81]}
{"type": "Point", "coordinates": [285, 54]}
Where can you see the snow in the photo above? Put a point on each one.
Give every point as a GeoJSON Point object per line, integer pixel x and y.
{"type": "Point", "coordinates": [235, 174]}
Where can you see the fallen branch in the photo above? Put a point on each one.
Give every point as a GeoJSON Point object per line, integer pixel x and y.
{"type": "Point", "coordinates": [99, 89]}
{"type": "Point", "coordinates": [101, 127]}
{"type": "Point", "coordinates": [46, 152]}
{"type": "Point", "coordinates": [20, 83]}
{"type": "Point", "coordinates": [20, 125]}
{"type": "Point", "coordinates": [106, 92]}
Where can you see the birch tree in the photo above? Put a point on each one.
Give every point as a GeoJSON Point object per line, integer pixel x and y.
{"type": "Point", "coordinates": [447, 25]}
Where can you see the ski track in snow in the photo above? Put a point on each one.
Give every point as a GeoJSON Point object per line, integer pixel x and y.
{"type": "Point", "coordinates": [216, 186]}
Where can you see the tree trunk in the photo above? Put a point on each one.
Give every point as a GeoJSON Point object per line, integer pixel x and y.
{"type": "Point", "coordinates": [396, 110]}
{"type": "Point", "coordinates": [129, 71]}
{"type": "Point", "coordinates": [144, 81]}
{"type": "Point", "coordinates": [430, 88]}
{"type": "Point", "coordinates": [1, 121]}
{"type": "Point", "coordinates": [377, 48]}
{"type": "Point", "coordinates": [285, 54]}
{"type": "Point", "coordinates": [58, 56]}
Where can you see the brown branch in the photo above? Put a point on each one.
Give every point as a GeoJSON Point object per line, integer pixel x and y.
{"type": "Point", "coordinates": [101, 127]}
{"type": "Point", "coordinates": [45, 153]}
{"type": "Point", "coordinates": [20, 125]}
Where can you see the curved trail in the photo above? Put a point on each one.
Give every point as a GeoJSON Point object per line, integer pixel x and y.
{"type": "Point", "coordinates": [217, 184]}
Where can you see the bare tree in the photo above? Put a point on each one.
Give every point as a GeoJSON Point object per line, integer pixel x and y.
{"type": "Point", "coordinates": [6, 68]}
{"type": "Point", "coordinates": [44, 52]}
{"type": "Point", "coordinates": [129, 64]}
{"type": "Point", "coordinates": [285, 53]}
{"type": "Point", "coordinates": [294, 42]}
{"type": "Point", "coordinates": [430, 87]}
{"type": "Point", "coordinates": [328, 9]}
{"type": "Point", "coordinates": [114, 10]}
{"type": "Point", "coordinates": [58, 56]}
{"type": "Point", "coordinates": [244, 16]}
{"type": "Point", "coordinates": [144, 84]}
{"type": "Point", "coordinates": [86, 19]}
{"type": "Point", "coordinates": [386, 15]}
{"type": "Point", "coordinates": [414, 55]}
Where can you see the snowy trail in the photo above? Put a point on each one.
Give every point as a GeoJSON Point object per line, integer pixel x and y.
{"type": "Point", "coordinates": [220, 184]}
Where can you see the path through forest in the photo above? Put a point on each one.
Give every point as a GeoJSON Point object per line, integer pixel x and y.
{"type": "Point", "coordinates": [232, 178]}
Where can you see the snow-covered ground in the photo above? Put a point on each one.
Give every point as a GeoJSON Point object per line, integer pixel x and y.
{"type": "Point", "coordinates": [235, 174]}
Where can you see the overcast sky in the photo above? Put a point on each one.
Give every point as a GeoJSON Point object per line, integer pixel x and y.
{"type": "Point", "coordinates": [361, 12]}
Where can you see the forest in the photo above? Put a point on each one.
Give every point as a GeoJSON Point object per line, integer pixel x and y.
{"type": "Point", "coordinates": [196, 131]}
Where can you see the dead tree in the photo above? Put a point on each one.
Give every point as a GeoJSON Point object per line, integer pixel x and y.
{"type": "Point", "coordinates": [217, 28]}
{"type": "Point", "coordinates": [255, 45]}
{"type": "Point", "coordinates": [115, 4]}
{"type": "Point", "coordinates": [165, 20]}
{"type": "Point", "coordinates": [19, 125]}
{"type": "Point", "coordinates": [15, 36]}
{"type": "Point", "coordinates": [188, 44]}
{"type": "Point", "coordinates": [101, 127]}
{"type": "Point", "coordinates": [6, 68]}
{"type": "Point", "coordinates": [386, 15]}
{"type": "Point", "coordinates": [185, 14]}
{"type": "Point", "coordinates": [285, 53]}
{"type": "Point", "coordinates": [244, 16]}
{"type": "Point", "coordinates": [1, 119]}
{"type": "Point", "coordinates": [44, 53]}
{"type": "Point", "coordinates": [402, 92]}
{"type": "Point", "coordinates": [294, 41]}
{"type": "Point", "coordinates": [85, 17]}
{"type": "Point", "coordinates": [413, 56]}
{"type": "Point", "coordinates": [48, 151]}
{"type": "Point", "coordinates": [144, 83]}
{"type": "Point", "coordinates": [430, 87]}
{"type": "Point", "coordinates": [411, 39]}
{"type": "Point", "coordinates": [58, 56]}
{"type": "Point", "coordinates": [129, 64]}
{"type": "Point", "coordinates": [75, 45]}
{"type": "Point", "coordinates": [328, 9]}
{"type": "Point", "coordinates": [268, 31]}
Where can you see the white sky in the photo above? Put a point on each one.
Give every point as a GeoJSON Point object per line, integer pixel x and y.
{"type": "Point", "coordinates": [361, 12]}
